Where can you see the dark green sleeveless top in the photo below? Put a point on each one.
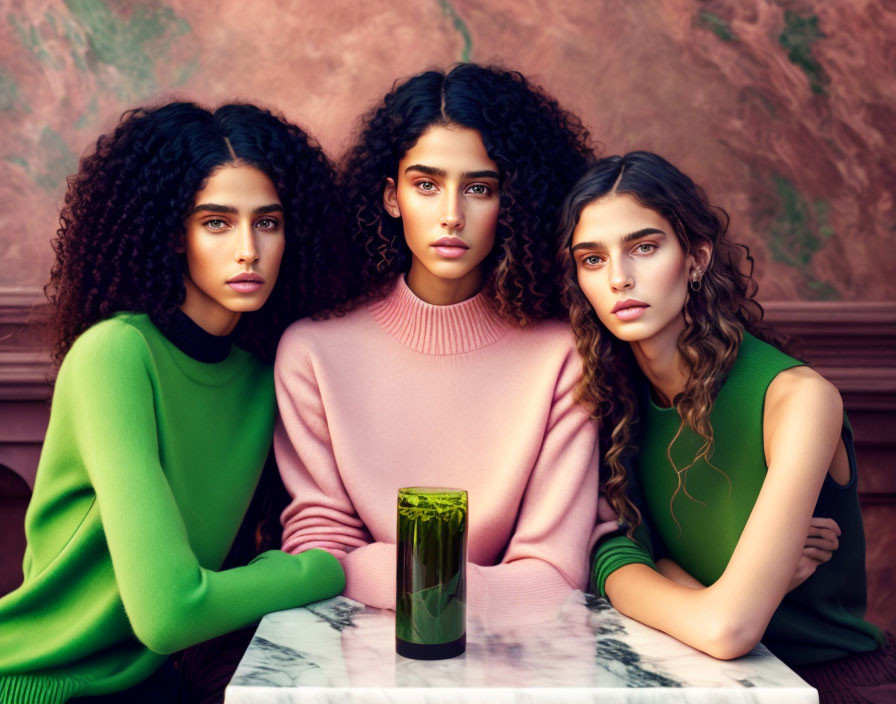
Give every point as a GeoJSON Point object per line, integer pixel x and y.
{"type": "Point", "coordinates": [699, 520]}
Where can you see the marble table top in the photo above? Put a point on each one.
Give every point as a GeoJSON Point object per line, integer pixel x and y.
{"type": "Point", "coordinates": [341, 651]}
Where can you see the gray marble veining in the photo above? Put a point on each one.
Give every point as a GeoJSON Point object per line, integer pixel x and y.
{"type": "Point", "coordinates": [340, 651]}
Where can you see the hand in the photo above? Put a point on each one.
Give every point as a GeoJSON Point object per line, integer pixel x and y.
{"type": "Point", "coordinates": [821, 541]}
{"type": "Point", "coordinates": [607, 522]}
{"type": "Point", "coordinates": [605, 512]}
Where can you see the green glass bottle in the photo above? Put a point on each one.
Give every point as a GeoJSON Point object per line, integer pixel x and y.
{"type": "Point", "coordinates": [431, 597]}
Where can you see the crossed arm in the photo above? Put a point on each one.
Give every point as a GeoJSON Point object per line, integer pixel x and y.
{"type": "Point", "coordinates": [546, 552]}
{"type": "Point", "coordinates": [801, 428]}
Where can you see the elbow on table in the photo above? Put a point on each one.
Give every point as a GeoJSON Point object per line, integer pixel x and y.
{"type": "Point", "coordinates": [730, 638]}
{"type": "Point", "coordinates": [164, 630]}
{"type": "Point", "coordinates": [163, 638]}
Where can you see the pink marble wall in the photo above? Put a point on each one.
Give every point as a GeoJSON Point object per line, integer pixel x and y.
{"type": "Point", "coordinates": [783, 108]}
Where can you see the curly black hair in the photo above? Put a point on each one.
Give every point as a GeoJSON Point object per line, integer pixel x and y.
{"type": "Point", "coordinates": [123, 220]}
{"type": "Point", "coordinates": [540, 149]}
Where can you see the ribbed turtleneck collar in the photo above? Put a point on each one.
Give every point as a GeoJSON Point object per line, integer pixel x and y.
{"type": "Point", "coordinates": [438, 330]}
{"type": "Point", "coordinates": [192, 340]}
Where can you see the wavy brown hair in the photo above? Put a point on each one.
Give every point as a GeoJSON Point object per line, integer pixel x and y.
{"type": "Point", "coordinates": [540, 149]}
{"type": "Point", "coordinates": [118, 243]}
{"type": "Point", "coordinates": [715, 316]}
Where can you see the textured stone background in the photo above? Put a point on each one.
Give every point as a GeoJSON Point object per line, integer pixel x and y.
{"type": "Point", "coordinates": [784, 109]}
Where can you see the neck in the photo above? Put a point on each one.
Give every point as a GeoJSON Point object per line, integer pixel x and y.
{"type": "Point", "coordinates": [443, 292]}
{"type": "Point", "coordinates": [660, 361]}
{"type": "Point", "coordinates": [207, 314]}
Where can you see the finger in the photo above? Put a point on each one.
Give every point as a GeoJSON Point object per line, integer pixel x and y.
{"type": "Point", "coordinates": [817, 554]}
{"type": "Point", "coordinates": [819, 522]}
{"type": "Point", "coordinates": [805, 568]}
{"type": "Point", "coordinates": [803, 573]}
{"type": "Point", "coordinates": [827, 543]}
{"type": "Point", "coordinates": [823, 534]}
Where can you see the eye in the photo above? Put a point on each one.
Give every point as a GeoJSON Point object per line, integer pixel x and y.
{"type": "Point", "coordinates": [644, 247]}
{"type": "Point", "coordinates": [267, 224]}
{"type": "Point", "coordinates": [215, 224]}
{"type": "Point", "coordinates": [479, 189]}
{"type": "Point", "coordinates": [427, 186]}
{"type": "Point", "coordinates": [591, 260]}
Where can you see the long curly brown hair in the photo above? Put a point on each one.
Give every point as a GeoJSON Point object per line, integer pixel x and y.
{"type": "Point", "coordinates": [715, 316]}
{"type": "Point", "coordinates": [123, 220]}
{"type": "Point", "coordinates": [540, 149]}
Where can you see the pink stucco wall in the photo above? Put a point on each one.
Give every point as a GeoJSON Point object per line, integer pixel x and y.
{"type": "Point", "coordinates": [784, 109]}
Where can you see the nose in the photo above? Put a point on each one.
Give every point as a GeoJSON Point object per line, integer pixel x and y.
{"type": "Point", "coordinates": [245, 251]}
{"type": "Point", "coordinates": [620, 277]}
{"type": "Point", "coordinates": [452, 212]}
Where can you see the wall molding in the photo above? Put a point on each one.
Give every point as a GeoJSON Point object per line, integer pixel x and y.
{"type": "Point", "coordinates": [25, 364]}
{"type": "Point", "coordinates": [853, 344]}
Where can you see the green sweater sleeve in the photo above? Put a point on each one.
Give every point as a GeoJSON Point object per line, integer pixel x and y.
{"type": "Point", "coordinates": [171, 601]}
{"type": "Point", "coordinates": [615, 552]}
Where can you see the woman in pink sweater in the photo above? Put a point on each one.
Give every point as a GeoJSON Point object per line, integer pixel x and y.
{"type": "Point", "coordinates": [448, 369]}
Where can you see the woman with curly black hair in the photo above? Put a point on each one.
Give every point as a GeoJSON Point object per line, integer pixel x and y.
{"type": "Point", "coordinates": [448, 370]}
{"type": "Point", "coordinates": [186, 244]}
{"type": "Point", "coordinates": [739, 450]}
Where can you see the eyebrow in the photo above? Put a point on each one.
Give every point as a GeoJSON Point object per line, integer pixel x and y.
{"type": "Point", "coordinates": [630, 237]}
{"type": "Point", "coordinates": [434, 171]}
{"type": "Point", "coordinates": [229, 209]}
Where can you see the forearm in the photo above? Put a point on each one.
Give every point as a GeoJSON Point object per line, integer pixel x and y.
{"type": "Point", "coordinates": [171, 599]}
{"type": "Point", "coordinates": [306, 527]}
{"type": "Point", "coordinates": [529, 587]}
{"type": "Point", "coordinates": [203, 604]}
{"type": "Point", "coordinates": [728, 618]}
{"type": "Point", "coordinates": [802, 418]}
{"type": "Point", "coordinates": [519, 592]}
{"type": "Point", "coordinates": [370, 574]}
{"type": "Point", "coordinates": [673, 571]}
{"type": "Point", "coordinates": [699, 617]}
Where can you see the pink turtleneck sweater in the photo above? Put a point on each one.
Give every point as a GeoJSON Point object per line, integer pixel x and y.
{"type": "Point", "coordinates": [404, 393]}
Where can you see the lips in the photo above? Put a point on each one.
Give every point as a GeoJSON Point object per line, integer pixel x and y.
{"type": "Point", "coordinates": [628, 303]}
{"type": "Point", "coordinates": [629, 309]}
{"type": "Point", "coordinates": [450, 247]}
{"type": "Point", "coordinates": [247, 282]}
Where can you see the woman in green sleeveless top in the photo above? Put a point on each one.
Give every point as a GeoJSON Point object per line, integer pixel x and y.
{"type": "Point", "coordinates": [189, 240]}
{"type": "Point", "coordinates": [720, 447]}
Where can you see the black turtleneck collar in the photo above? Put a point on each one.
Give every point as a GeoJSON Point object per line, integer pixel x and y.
{"type": "Point", "coordinates": [192, 340]}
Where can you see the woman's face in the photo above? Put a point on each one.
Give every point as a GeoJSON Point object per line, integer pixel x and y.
{"type": "Point", "coordinates": [233, 245]}
{"type": "Point", "coordinates": [446, 194]}
{"type": "Point", "coordinates": [633, 270]}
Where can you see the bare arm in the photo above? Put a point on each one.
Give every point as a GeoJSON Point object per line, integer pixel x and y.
{"type": "Point", "coordinates": [820, 544]}
{"type": "Point", "coordinates": [672, 570]}
{"type": "Point", "coordinates": [801, 427]}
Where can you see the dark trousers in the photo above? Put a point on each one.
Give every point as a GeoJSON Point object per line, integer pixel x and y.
{"type": "Point", "coordinates": [197, 675]}
{"type": "Point", "coordinates": [863, 677]}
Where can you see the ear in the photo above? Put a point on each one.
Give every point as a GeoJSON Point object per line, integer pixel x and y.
{"type": "Point", "coordinates": [390, 199]}
{"type": "Point", "coordinates": [700, 259]}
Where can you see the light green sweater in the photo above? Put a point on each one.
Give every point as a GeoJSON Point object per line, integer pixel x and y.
{"type": "Point", "coordinates": [148, 466]}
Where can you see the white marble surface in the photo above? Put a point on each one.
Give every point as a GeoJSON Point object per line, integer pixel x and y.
{"type": "Point", "coordinates": [339, 651]}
